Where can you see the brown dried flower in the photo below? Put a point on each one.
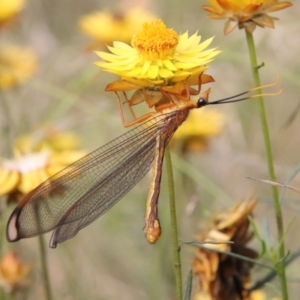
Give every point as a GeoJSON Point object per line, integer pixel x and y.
{"type": "Point", "coordinates": [220, 276]}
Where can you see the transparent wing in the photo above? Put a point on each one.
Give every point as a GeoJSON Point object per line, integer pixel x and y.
{"type": "Point", "coordinates": [76, 196]}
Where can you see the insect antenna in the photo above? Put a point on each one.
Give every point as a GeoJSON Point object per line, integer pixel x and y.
{"type": "Point", "coordinates": [248, 94]}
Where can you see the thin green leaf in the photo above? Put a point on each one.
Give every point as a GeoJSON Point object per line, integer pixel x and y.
{"type": "Point", "coordinates": [238, 256]}
{"type": "Point", "coordinates": [188, 286]}
{"type": "Point", "coordinates": [257, 235]}
{"type": "Point", "coordinates": [282, 238]}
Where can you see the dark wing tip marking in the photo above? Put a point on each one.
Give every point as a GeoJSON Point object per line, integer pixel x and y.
{"type": "Point", "coordinates": [12, 229]}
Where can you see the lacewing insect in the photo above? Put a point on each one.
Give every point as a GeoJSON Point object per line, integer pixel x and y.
{"type": "Point", "coordinates": [85, 190]}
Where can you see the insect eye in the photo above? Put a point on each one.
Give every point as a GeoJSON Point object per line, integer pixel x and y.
{"type": "Point", "coordinates": [201, 102]}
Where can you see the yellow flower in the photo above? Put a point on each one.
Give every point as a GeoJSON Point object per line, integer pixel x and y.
{"type": "Point", "coordinates": [9, 9]}
{"type": "Point", "coordinates": [255, 295]}
{"type": "Point", "coordinates": [158, 55]}
{"type": "Point", "coordinates": [194, 133]}
{"type": "Point", "coordinates": [219, 274]}
{"type": "Point", "coordinates": [16, 65]}
{"type": "Point", "coordinates": [48, 138]}
{"type": "Point", "coordinates": [36, 160]}
{"type": "Point", "coordinates": [245, 13]}
{"type": "Point", "coordinates": [13, 272]}
{"type": "Point", "coordinates": [105, 27]}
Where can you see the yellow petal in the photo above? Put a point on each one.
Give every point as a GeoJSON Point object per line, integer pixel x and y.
{"type": "Point", "coordinates": [9, 181]}
{"type": "Point", "coordinates": [165, 73]}
{"type": "Point", "coordinates": [67, 157]}
{"type": "Point", "coordinates": [169, 65]}
{"type": "Point", "coordinates": [54, 169]}
{"type": "Point", "coordinates": [120, 85]}
{"type": "Point", "coordinates": [278, 6]}
{"type": "Point", "coordinates": [153, 72]}
{"type": "Point", "coordinates": [146, 67]}
{"type": "Point", "coordinates": [9, 8]}
{"type": "Point", "coordinates": [29, 181]}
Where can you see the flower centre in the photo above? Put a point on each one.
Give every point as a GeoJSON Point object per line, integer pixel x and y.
{"type": "Point", "coordinates": [155, 41]}
{"type": "Point", "coordinates": [27, 163]}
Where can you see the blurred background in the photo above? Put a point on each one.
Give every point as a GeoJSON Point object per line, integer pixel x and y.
{"type": "Point", "coordinates": [111, 259]}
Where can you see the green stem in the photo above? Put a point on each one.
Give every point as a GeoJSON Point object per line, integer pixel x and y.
{"type": "Point", "coordinates": [45, 271]}
{"type": "Point", "coordinates": [176, 249]}
{"type": "Point", "coordinates": [279, 220]}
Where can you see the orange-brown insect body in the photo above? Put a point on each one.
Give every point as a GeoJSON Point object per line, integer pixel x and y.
{"type": "Point", "coordinates": [152, 227]}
